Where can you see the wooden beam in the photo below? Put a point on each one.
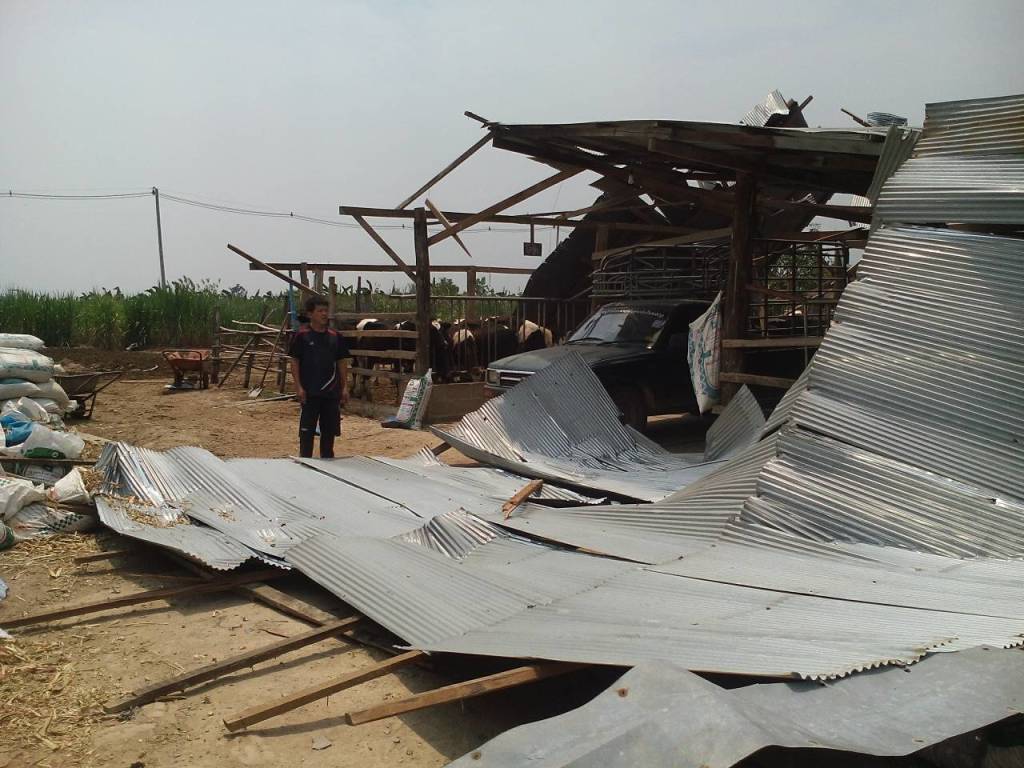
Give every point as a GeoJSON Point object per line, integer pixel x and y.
{"type": "Point", "coordinates": [508, 202]}
{"type": "Point", "coordinates": [109, 603]}
{"type": "Point", "coordinates": [753, 378]}
{"type": "Point", "coordinates": [437, 450]}
{"type": "Point", "coordinates": [422, 278]}
{"type": "Point", "coordinates": [741, 260]}
{"type": "Point", "coordinates": [231, 664]}
{"type": "Point", "coordinates": [520, 496]}
{"type": "Point", "coordinates": [696, 237]}
{"type": "Point", "coordinates": [108, 555]}
{"type": "Point", "coordinates": [459, 691]}
{"type": "Point", "coordinates": [378, 334]}
{"type": "Point", "coordinates": [446, 170]}
{"type": "Point", "coordinates": [439, 215]}
{"type": "Point", "coordinates": [505, 218]}
{"type": "Point", "coordinates": [384, 246]}
{"type": "Point", "coordinates": [386, 354]}
{"type": "Point", "coordinates": [434, 269]}
{"type": "Point", "coordinates": [380, 374]}
{"type": "Point", "coordinates": [266, 267]}
{"type": "Point", "coordinates": [319, 691]}
{"type": "Point", "coordinates": [382, 316]}
{"type": "Point", "coordinates": [771, 343]}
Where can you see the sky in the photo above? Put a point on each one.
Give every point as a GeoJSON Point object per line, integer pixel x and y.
{"type": "Point", "coordinates": [305, 106]}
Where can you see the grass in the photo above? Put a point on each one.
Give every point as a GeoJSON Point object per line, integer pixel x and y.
{"type": "Point", "coordinates": [182, 314]}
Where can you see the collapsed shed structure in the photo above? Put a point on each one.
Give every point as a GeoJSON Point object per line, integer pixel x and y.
{"type": "Point", "coordinates": [874, 521]}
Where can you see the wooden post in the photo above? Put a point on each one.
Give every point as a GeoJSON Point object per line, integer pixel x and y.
{"type": "Point", "coordinates": [248, 369]}
{"type": "Point", "coordinates": [741, 263]}
{"type": "Point", "coordinates": [422, 291]}
{"type": "Point", "coordinates": [318, 280]}
{"type": "Point", "coordinates": [282, 374]}
{"type": "Point", "coordinates": [332, 298]}
{"type": "Point", "coordinates": [359, 294]}
{"type": "Point", "coordinates": [215, 352]}
{"type": "Point", "coordinates": [471, 312]}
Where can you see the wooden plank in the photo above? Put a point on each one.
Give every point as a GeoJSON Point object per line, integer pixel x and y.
{"type": "Point", "coordinates": [780, 343]}
{"type": "Point", "coordinates": [379, 334]}
{"type": "Point", "coordinates": [422, 246]}
{"type": "Point", "coordinates": [305, 696]}
{"type": "Point", "coordinates": [520, 496]}
{"type": "Point", "coordinates": [109, 603]}
{"type": "Point", "coordinates": [447, 225]}
{"type": "Point", "coordinates": [508, 202]}
{"type": "Point", "coordinates": [526, 218]}
{"type": "Point", "coordinates": [372, 372]}
{"type": "Point", "coordinates": [385, 354]}
{"type": "Point", "coordinates": [284, 603]}
{"type": "Point", "coordinates": [459, 691]}
{"type": "Point", "coordinates": [437, 450]}
{"type": "Point", "coordinates": [108, 555]}
{"type": "Point", "coordinates": [446, 170]}
{"type": "Point", "coordinates": [753, 378]}
{"type": "Point", "coordinates": [231, 664]}
{"type": "Point", "coordinates": [384, 246]}
{"type": "Point", "coordinates": [382, 316]}
{"type": "Point", "coordinates": [694, 237]}
{"type": "Point", "coordinates": [267, 268]}
{"type": "Point", "coordinates": [440, 268]}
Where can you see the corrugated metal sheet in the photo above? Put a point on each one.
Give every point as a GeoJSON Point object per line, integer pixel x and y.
{"type": "Point", "coordinates": [711, 626]}
{"type": "Point", "coordinates": [992, 126]}
{"type": "Point", "coordinates": [560, 424]}
{"type": "Point", "coordinates": [168, 527]}
{"type": "Point", "coordinates": [738, 426]}
{"type": "Point", "coordinates": [664, 715]}
{"type": "Point", "coordinates": [421, 595]}
{"type": "Point", "coordinates": [773, 104]}
{"type": "Point", "coordinates": [935, 188]}
{"type": "Point", "coordinates": [454, 534]}
{"type": "Point", "coordinates": [899, 144]}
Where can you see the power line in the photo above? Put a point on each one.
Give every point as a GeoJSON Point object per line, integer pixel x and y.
{"type": "Point", "coordinates": [239, 210]}
{"type": "Point", "coordinates": [40, 196]}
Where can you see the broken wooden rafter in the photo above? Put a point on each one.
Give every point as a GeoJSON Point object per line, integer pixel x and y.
{"type": "Point", "coordinates": [520, 496]}
{"type": "Point", "coordinates": [459, 691]}
{"type": "Point", "coordinates": [231, 664]}
{"type": "Point", "coordinates": [319, 691]}
{"type": "Point", "coordinates": [439, 215]}
{"type": "Point", "coordinates": [384, 246]}
{"type": "Point", "coordinates": [109, 603]}
{"type": "Point", "coordinates": [446, 170]}
{"type": "Point", "coordinates": [270, 269]}
{"type": "Point", "coordinates": [508, 202]}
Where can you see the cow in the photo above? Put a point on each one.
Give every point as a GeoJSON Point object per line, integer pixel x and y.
{"type": "Point", "coordinates": [532, 336]}
{"type": "Point", "coordinates": [440, 353]}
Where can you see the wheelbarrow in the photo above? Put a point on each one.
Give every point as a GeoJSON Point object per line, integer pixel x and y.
{"type": "Point", "coordinates": [191, 368]}
{"type": "Point", "coordinates": [82, 388]}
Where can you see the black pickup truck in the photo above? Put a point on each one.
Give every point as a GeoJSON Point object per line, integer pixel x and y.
{"type": "Point", "coordinates": [637, 349]}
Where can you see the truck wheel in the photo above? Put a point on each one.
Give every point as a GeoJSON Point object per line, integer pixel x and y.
{"type": "Point", "coordinates": [630, 402]}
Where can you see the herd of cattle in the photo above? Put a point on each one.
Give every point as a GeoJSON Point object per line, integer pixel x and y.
{"type": "Point", "coordinates": [459, 350]}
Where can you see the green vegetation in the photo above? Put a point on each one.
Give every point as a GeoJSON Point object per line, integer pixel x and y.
{"type": "Point", "coordinates": [179, 315]}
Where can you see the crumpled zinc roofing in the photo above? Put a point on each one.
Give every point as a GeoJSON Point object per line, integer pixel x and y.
{"type": "Point", "coordinates": [846, 429]}
{"type": "Point", "coordinates": [664, 715]}
{"type": "Point", "coordinates": [222, 513]}
{"type": "Point", "coordinates": [560, 424]}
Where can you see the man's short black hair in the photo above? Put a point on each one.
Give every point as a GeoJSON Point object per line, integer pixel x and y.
{"type": "Point", "coordinates": [313, 302]}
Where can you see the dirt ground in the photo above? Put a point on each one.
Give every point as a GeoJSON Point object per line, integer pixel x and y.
{"type": "Point", "coordinates": [54, 678]}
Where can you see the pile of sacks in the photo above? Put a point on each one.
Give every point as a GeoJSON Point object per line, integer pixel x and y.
{"type": "Point", "coordinates": [29, 510]}
{"type": "Point", "coordinates": [32, 404]}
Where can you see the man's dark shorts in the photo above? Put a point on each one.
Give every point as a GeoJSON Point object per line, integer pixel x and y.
{"type": "Point", "coordinates": [326, 410]}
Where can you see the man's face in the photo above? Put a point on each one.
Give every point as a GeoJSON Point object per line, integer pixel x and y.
{"type": "Point", "coordinates": [319, 316]}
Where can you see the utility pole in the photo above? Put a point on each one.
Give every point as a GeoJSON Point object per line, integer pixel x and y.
{"type": "Point", "coordinates": [159, 238]}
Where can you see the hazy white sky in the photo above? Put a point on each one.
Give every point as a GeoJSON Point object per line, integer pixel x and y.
{"type": "Point", "coordinates": [302, 106]}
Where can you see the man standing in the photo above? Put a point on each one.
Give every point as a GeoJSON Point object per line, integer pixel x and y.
{"type": "Point", "coordinates": [318, 356]}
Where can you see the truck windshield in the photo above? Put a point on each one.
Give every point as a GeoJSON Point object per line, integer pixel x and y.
{"type": "Point", "coordinates": [621, 325]}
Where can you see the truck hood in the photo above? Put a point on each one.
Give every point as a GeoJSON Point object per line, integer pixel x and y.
{"type": "Point", "coordinates": [594, 354]}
